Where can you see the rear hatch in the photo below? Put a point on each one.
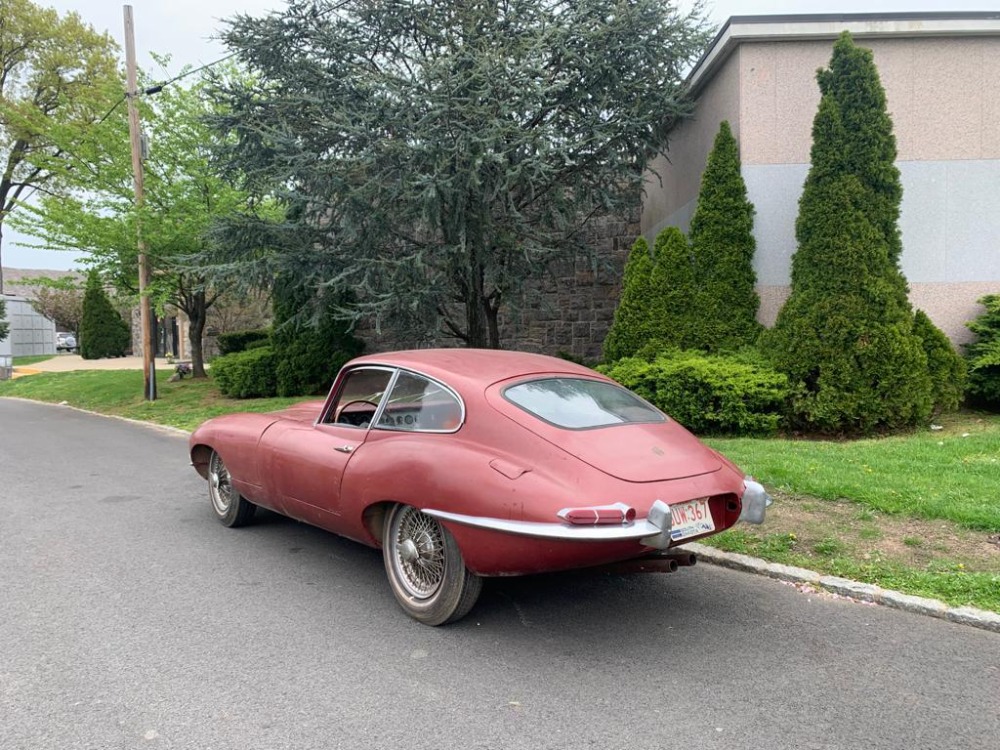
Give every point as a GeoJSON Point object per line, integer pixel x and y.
{"type": "Point", "coordinates": [633, 452]}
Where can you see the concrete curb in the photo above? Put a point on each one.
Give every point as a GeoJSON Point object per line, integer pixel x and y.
{"type": "Point", "coordinates": [862, 592]}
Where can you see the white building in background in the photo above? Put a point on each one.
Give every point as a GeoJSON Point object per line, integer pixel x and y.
{"type": "Point", "coordinates": [941, 73]}
{"type": "Point", "coordinates": [30, 331]}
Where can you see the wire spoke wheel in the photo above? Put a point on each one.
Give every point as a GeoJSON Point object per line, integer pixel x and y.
{"type": "Point", "coordinates": [229, 505]}
{"type": "Point", "coordinates": [425, 567]}
{"type": "Point", "coordinates": [220, 487]}
{"type": "Point", "coordinates": [419, 553]}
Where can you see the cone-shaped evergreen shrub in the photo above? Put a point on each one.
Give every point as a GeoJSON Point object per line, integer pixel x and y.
{"type": "Point", "coordinates": [722, 245]}
{"type": "Point", "coordinates": [984, 355]}
{"type": "Point", "coordinates": [103, 333]}
{"type": "Point", "coordinates": [672, 291]}
{"type": "Point", "coordinates": [868, 149]}
{"type": "Point", "coordinates": [945, 366]}
{"type": "Point", "coordinates": [846, 332]}
{"type": "Point", "coordinates": [632, 325]}
{"type": "Point", "coordinates": [4, 325]}
{"type": "Point", "coordinates": [309, 351]}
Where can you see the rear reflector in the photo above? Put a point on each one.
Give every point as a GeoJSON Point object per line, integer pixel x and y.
{"type": "Point", "coordinates": [596, 515]}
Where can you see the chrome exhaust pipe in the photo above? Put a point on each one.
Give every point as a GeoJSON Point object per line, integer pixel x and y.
{"type": "Point", "coordinates": [684, 559]}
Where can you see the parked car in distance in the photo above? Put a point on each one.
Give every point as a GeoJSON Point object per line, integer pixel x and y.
{"type": "Point", "coordinates": [462, 464]}
{"type": "Point", "coordinates": [65, 342]}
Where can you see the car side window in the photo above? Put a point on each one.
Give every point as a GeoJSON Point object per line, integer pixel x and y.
{"type": "Point", "coordinates": [418, 404]}
{"type": "Point", "coordinates": [359, 397]}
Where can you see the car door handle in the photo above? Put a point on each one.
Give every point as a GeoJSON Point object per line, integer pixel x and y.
{"type": "Point", "coordinates": [344, 448]}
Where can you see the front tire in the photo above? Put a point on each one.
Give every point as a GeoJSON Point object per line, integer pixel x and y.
{"type": "Point", "coordinates": [231, 508]}
{"type": "Point", "coordinates": [425, 568]}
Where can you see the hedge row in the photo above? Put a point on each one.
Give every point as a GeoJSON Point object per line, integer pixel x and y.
{"type": "Point", "coordinates": [240, 341]}
{"type": "Point", "coordinates": [247, 374]}
{"type": "Point", "coordinates": [709, 394]}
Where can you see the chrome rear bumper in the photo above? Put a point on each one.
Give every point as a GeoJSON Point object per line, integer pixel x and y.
{"type": "Point", "coordinates": [652, 531]}
{"type": "Point", "coordinates": [755, 502]}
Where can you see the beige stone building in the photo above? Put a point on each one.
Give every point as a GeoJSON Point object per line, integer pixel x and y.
{"type": "Point", "coordinates": [941, 73]}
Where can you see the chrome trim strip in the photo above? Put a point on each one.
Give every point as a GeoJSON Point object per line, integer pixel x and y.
{"type": "Point", "coordinates": [643, 530]}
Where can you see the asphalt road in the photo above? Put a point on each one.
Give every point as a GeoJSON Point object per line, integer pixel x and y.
{"type": "Point", "coordinates": [129, 618]}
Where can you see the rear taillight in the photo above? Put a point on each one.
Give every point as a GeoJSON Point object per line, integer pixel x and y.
{"type": "Point", "coordinates": [595, 515]}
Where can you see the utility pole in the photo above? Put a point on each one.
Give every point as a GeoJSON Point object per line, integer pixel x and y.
{"type": "Point", "coordinates": [135, 134]}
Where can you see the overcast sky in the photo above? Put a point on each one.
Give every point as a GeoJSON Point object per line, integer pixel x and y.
{"type": "Point", "coordinates": [184, 29]}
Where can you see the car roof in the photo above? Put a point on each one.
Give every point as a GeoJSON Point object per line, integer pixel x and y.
{"type": "Point", "coordinates": [471, 367]}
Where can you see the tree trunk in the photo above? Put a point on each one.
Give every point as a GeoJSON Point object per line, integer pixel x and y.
{"type": "Point", "coordinates": [1, 254]}
{"type": "Point", "coordinates": [477, 335]}
{"type": "Point", "coordinates": [492, 322]}
{"type": "Point", "coordinates": [475, 324]}
{"type": "Point", "coordinates": [197, 315]}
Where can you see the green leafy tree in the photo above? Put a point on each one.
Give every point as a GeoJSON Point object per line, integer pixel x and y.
{"type": "Point", "coordinates": [103, 333]}
{"type": "Point", "coordinates": [946, 367]}
{"type": "Point", "coordinates": [632, 327]}
{"type": "Point", "coordinates": [723, 245]}
{"type": "Point", "coordinates": [846, 332]}
{"type": "Point", "coordinates": [983, 354]}
{"type": "Point", "coordinates": [436, 155]}
{"type": "Point", "coordinates": [4, 325]}
{"type": "Point", "coordinates": [309, 352]}
{"type": "Point", "coordinates": [184, 196]}
{"type": "Point", "coordinates": [53, 70]}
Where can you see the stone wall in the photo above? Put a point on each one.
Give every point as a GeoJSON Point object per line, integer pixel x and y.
{"type": "Point", "coordinates": [568, 312]}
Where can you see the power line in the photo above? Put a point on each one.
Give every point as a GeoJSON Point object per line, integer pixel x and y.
{"type": "Point", "coordinates": [113, 108]}
{"type": "Point", "coordinates": [159, 87]}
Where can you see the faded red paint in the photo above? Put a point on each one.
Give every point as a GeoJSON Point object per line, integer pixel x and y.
{"type": "Point", "coordinates": [502, 463]}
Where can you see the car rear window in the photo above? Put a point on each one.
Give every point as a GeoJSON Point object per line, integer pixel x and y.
{"type": "Point", "coordinates": [579, 403]}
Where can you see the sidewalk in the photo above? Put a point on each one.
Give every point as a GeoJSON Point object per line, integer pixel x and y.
{"type": "Point", "coordinates": [69, 362]}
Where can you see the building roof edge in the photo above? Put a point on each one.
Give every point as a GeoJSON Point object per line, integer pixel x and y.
{"type": "Point", "coordinates": [739, 29]}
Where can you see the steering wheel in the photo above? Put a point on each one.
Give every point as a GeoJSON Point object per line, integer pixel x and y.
{"type": "Point", "coordinates": [340, 414]}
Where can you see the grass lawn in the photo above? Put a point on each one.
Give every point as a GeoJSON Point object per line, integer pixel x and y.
{"type": "Point", "coordinates": [185, 403]}
{"type": "Point", "coordinates": [952, 473]}
{"type": "Point", "coordinates": [919, 513]}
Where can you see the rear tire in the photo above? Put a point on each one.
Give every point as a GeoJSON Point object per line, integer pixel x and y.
{"type": "Point", "coordinates": [231, 508]}
{"type": "Point", "coordinates": [425, 568]}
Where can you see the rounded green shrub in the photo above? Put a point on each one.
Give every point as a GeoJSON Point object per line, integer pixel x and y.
{"type": "Point", "coordinates": [709, 394]}
{"type": "Point", "coordinates": [239, 341]}
{"type": "Point", "coordinates": [247, 374]}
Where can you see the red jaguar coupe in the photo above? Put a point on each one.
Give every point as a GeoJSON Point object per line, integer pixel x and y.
{"type": "Point", "coordinates": [463, 463]}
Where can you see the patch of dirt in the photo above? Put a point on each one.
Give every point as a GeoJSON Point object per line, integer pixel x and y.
{"type": "Point", "coordinates": [822, 528]}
